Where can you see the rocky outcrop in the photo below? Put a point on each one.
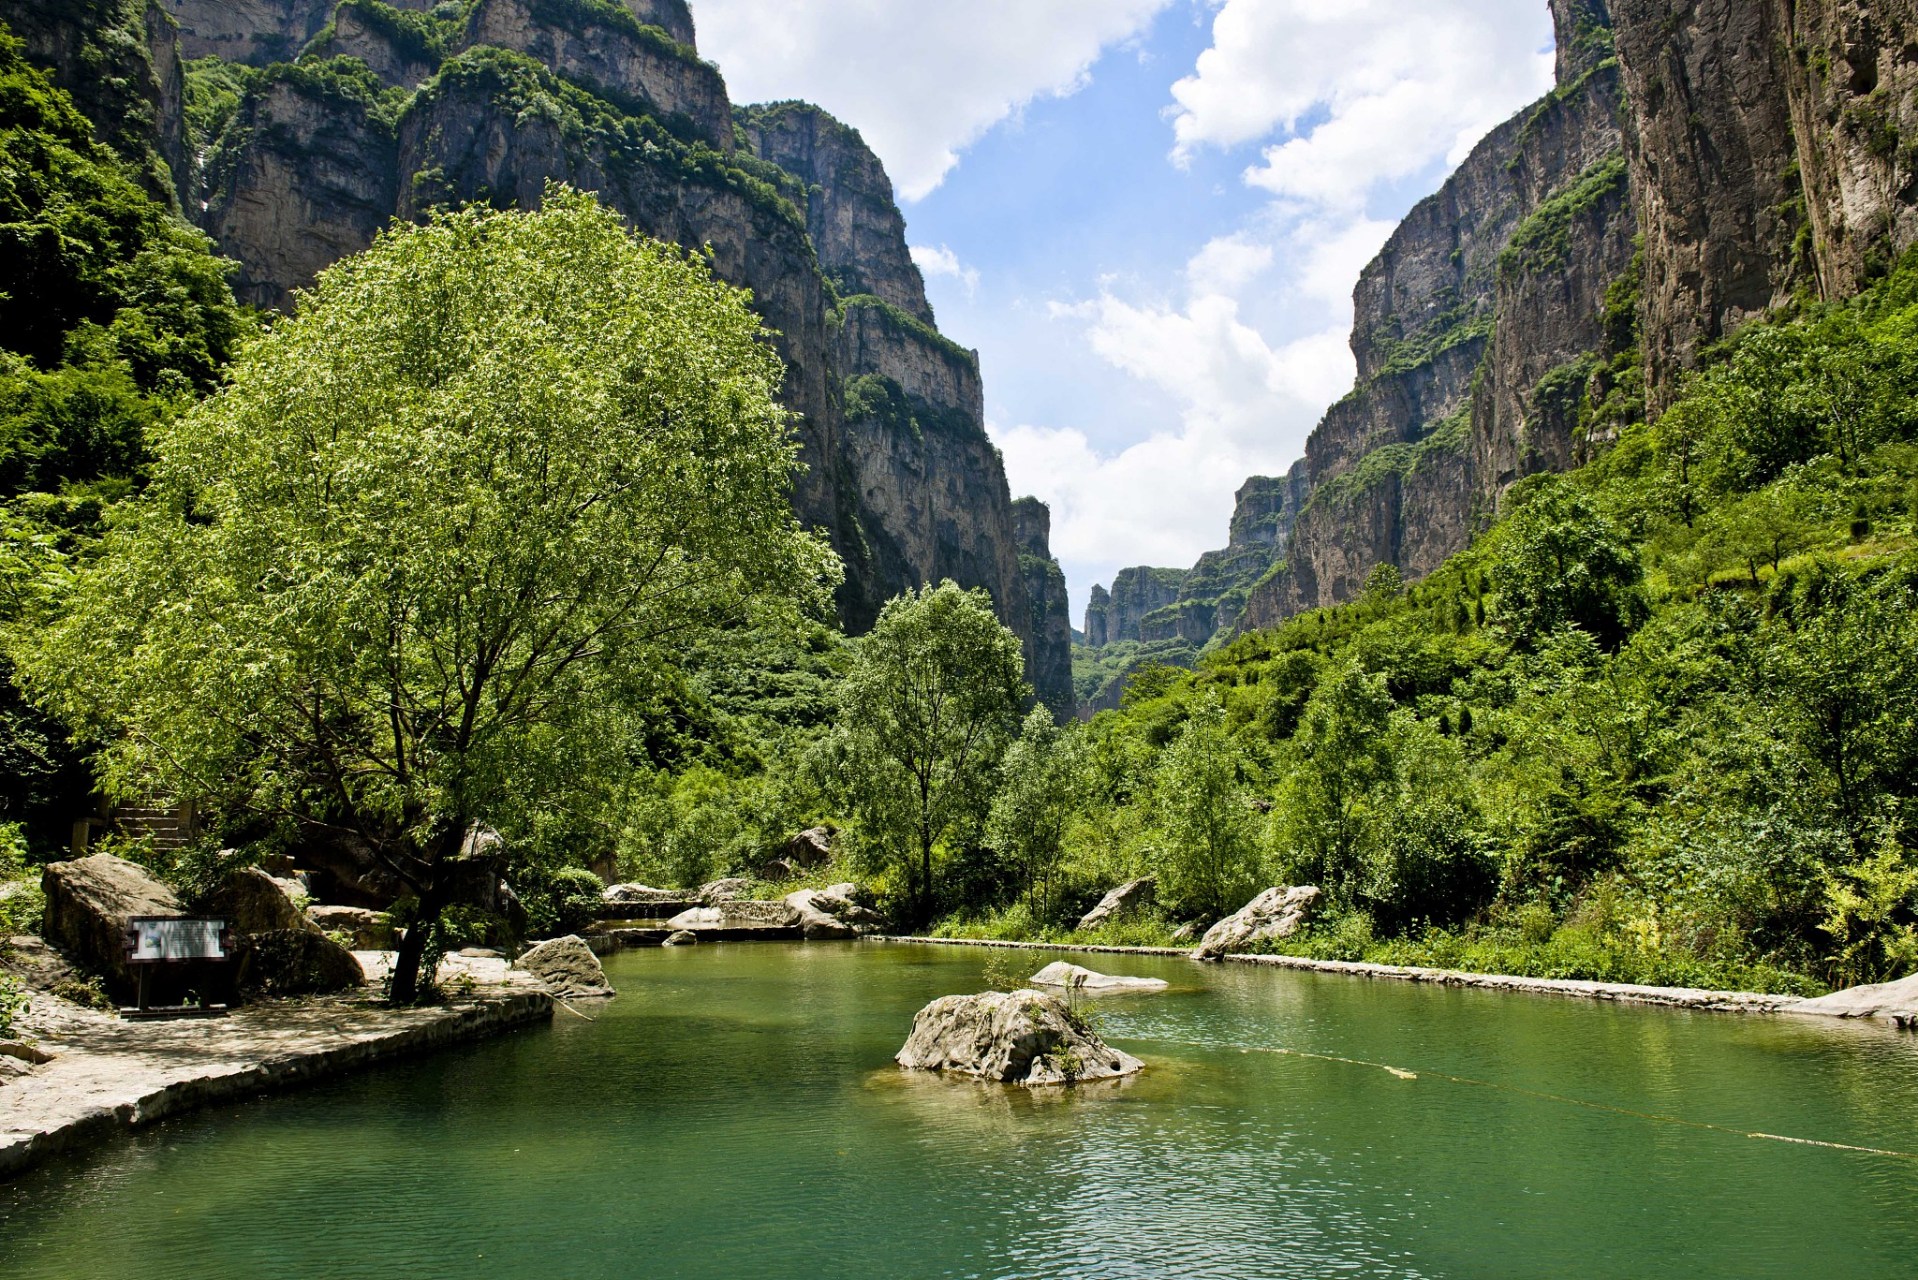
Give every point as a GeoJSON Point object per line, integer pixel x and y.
{"type": "Point", "coordinates": [566, 967]}
{"type": "Point", "coordinates": [1050, 668]}
{"type": "Point", "coordinates": [1017, 1037]}
{"type": "Point", "coordinates": [630, 64]}
{"type": "Point", "coordinates": [1895, 1002]}
{"type": "Point", "coordinates": [360, 29]}
{"type": "Point", "coordinates": [1129, 899]}
{"type": "Point", "coordinates": [89, 902]}
{"type": "Point", "coordinates": [254, 31]}
{"type": "Point", "coordinates": [1116, 615]}
{"type": "Point", "coordinates": [306, 177]}
{"type": "Point", "coordinates": [856, 227]}
{"type": "Point", "coordinates": [833, 913]}
{"type": "Point", "coordinates": [1073, 978]}
{"type": "Point", "coordinates": [741, 921]}
{"type": "Point", "coordinates": [1498, 280]}
{"type": "Point", "coordinates": [1274, 915]}
{"type": "Point", "coordinates": [121, 64]}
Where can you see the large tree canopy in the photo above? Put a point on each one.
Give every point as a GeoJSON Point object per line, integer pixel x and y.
{"type": "Point", "coordinates": [409, 569]}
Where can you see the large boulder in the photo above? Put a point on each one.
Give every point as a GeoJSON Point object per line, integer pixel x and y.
{"type": "Point", "coordinates": [365, 929]}
{"type": "Point", "coordinates": [810, 848]}
{"type": "Point", "coordinates": [1017, 1037]}
{"type": "Point", "coordinates": [568, 967]}
{"type": "Point", "coordinates": [1275, 914]}
{"type": "Point", "coordinates": [825, 914]}
{"type": "Point", "coordinates": [1892, 1001]}
{"type": "Point", "coordinates": [1128, 899]}
{"type": "Point", "coordinates": [740, 921]}
{"type": "Point", "coordinates": [89, 902]}
{"type": "Point", "coordinates": [294, 962]}
{"type": "Point", "coordinates": [1073, 978]}
{"type": "Point", "coordinates": [251, 901]}
{"type": "Point", "coordinates": [731, 889]}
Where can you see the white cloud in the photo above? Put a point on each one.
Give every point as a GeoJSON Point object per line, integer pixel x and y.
{"type": "Point", "coordinates": [1345, 100]}
{"type": "Point", "coordinates": [1357, 92]}
{"type": "Point", "coordinates": [920, 81]}
{"type": "Point", "coordinates": [942, 261]}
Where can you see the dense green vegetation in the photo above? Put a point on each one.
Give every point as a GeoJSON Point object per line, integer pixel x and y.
{"type": "Point", "coordinates": [415, 565]}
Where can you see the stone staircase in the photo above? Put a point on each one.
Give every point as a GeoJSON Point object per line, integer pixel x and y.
{"type": "Point", "coordinates": [166, 830]}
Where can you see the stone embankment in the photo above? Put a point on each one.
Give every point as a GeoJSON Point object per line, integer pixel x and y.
{"type": "Point", "coordinates": [103, 1076]}
{"type": "Point", "coordinates": [1614, 992]}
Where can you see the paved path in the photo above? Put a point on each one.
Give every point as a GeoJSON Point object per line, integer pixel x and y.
{"type": "Point", "coordinates": [109, 1076]}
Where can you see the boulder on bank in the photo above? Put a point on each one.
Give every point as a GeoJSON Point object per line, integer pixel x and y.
{"type": "Point", "coordinates": [294, 962]}
{"type": "Point", "coordinates": [1020, 1037]}
{"type": "Point", "coordinates": [1893, 1001]}
{"type": "Point", "coordinates": [366, 930]}
{"type": "Point", "coordinates": [1074, 978]}
{"type": "Point", "coordinates": [568, 968]}
{"type": "Point", "coordinates": [1275, 914]}
{"type": "Point", "coordinates": [89, 902]}
{"type": "Point", "coordinates": [731, 889]}
{"type": "Point", "coordinates": [1128, 899]}
{"type": "Point", "coordinates": [825, 914]}
{"type": "Point", "coordinates": [740, 920]}
{"type": "Point", "coordinates": [251, 901]}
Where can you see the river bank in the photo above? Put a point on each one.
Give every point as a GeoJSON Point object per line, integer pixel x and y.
{"type": "Point", "coordinates": [1615, 992]}
{"type": "Point", "coordinates": [106, 1076]}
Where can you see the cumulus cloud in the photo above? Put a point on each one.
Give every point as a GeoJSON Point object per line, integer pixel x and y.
{"type": "Point", "coordinates": [1343, 100]}
{"type": "Point", "coordinates": [920, 81]}
{"type": "Point", "coordinates": [1351, 93]}
{"type": "Point", "coordinates": [942, 261]}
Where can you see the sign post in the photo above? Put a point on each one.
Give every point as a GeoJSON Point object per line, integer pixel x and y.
{"type": "Point", "coordinates": [153, 941]}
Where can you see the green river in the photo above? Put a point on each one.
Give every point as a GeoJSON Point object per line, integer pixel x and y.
{"type": "Point", "coordinates": [735, 1113]}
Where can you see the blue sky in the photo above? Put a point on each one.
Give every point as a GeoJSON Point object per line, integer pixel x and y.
{"type": "Point", "coordinates": [1147, 215]}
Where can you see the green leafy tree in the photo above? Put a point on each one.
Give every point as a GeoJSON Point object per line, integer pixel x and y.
{"type": "Point", "coordinates": [926, 712]}
{"type": "Point", "coordinates": [1208, 859]}
{"type": "Point", "coordinates": [1044, 780]}
{"type": "Point", "coordinates": [1327, 807]}
{"type": "Point", "coordinates": [408, 571]}
{"type": "Point", "coordinates": [1564, 564]}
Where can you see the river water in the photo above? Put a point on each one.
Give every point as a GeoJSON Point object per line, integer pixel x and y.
{"type": "Point", "coordinates": [735, 1114]}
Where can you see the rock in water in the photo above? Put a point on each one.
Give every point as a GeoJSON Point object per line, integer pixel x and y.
{"type": "Point", "coordinates": [1020, 1037]}
{"type": "Point", "coordinates": [568, 967]}
{"type": "Point", "coordinates": [1893, 1001]}
{"type": "Point", "coordinates": [89, 902]}
{"type": "Point", "coordinates": [1072, 977]}
{"type": "Point", "coordinates": [1130, 897]}
{"type": "Point", "coordinates": [684, 938]}
{"type": "Point", "coordinates": [1274, 914]}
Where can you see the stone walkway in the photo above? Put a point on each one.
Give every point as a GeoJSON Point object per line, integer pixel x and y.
{"type": "Point", "coordinates": [109, 1076]}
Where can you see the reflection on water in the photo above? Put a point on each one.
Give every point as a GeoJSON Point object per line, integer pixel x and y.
{"type": "Point", "coordinates": [735, 1113]}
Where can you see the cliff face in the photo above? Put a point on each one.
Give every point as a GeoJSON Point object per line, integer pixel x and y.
{"type": "Point", "coordinates": [515, 93]}
{"type": "Point", "coordinates": [119, 62]}
{"type": "Point", "coordinates": [855, 226]}
{"type": "Point", "coordinates": [1769, 155]}
{"type": "Point", "coordinates": [1474, 332]}
{"type": "Point", "coordinates": [1051, 609]}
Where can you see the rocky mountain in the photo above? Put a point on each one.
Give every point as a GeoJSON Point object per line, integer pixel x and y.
{"type": "Point", "coordinates": [354, 112]}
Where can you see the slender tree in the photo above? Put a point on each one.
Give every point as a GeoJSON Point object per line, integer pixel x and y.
{"type": "Point", "coordinates": [925, 715]}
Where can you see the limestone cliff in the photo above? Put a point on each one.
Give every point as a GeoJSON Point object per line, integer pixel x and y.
{"type": "Point", "coordinates": [390, 114]}
{"type": "Point", "coordinates": [1475, 332]}
{"type": "Point", "coordinates": [1051, 609]}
